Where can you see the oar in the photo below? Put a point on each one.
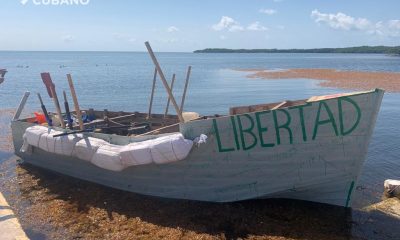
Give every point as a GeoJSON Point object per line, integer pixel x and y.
{"type": "Point", "coordinates": [53, 94]}
{"type": "Point", "coordinates": [76, 104]}
{"type": "Point", "coordinates": [169, 99]}
{"type": "Point", "coordinates": [46, 114]}
{"type": "Point", "coordinates": [69, 118]}
{"type": "Point", "coordinates": [164, 81]}
{"type": "Point", "coordinates": [186, 85]}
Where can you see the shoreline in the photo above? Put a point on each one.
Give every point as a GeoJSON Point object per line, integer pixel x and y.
{"type": "Point", "coordinates": [352, 80]}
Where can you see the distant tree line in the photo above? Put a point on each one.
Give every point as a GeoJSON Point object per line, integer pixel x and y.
{"type": "Point", "coordinates": [362, 49]}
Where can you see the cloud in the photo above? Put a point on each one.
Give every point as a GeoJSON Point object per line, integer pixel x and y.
{"type": "Point", "coordinates": [172, 29]}
{"type": "Point", "coordinates": [390, 28]}
{"type": "Point", "coordinates": [256, 26]}
{"type": "Point", "coordinates": [236, 28]}
{"type": "Point", "coordinates": [340, 21]}
{"type": "Point", "coordinates": [222, 37]}
{"type": "Point", "coordinates": [132, 40]}
{"type": "Point", "coordinates": [268, 11]}
{"type": "Point", "coordinates": [227, 23]}
{"type": "Point", "coordinates": [68, 38]}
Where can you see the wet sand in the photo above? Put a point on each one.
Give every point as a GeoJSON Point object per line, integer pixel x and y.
{"type": "Point", "coordinates": [53, 206]}
{"type": "Point", "coordinates": [353, 80]}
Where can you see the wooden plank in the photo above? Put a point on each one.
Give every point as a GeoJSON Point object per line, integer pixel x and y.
{"type": "Point", "coordinates": [186, 85]}
{"type": "Point", "coordinates": [76, 104]}
{"type": "Point", "coordinates": [21, 106]}
{"type": "Point", "coordinates": [114, 119]}
{"type": "Point", "coordinates": [152, 93]}
{"type": "Point", "coordinates": [169, 99]}
{"type": "Point", "coordinates": [158, 129]}
{"type": "Point", "coordinates": [279, 105]}
{"type": "Point", "coordinates": [57, 105]}
{"type": "Point", "coordinates": [164, 81]}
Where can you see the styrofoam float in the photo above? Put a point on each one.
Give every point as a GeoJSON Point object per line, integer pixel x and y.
{"type": "Point", "coordinates": [162, 150]}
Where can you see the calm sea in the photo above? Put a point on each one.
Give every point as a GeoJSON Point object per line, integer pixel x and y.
{"type": "Point", "coordinates": [122, 81]}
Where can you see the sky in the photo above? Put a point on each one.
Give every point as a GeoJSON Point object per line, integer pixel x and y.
{"type": "Point", "coordinates": [188, 25]}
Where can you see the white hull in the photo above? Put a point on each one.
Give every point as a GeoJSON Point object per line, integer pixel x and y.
{"type": "Point", "coordinates": [312, 152]}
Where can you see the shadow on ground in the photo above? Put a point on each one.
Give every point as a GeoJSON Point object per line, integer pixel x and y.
{"type": "Point", "coordinates": [66, 206]}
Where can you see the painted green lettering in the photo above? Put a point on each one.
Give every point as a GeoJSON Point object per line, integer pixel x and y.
{"type": "Point", "coordinates": [235, 133]}
{"type": "Point", "coordinates": [301, 116]}
{"type": "Point", "coordinates": [220, 149]}
{"type": "Point", "coordinates": [283, 126]}
{"type": "Point", "coordinates": [249, 131]}
{"type": "Point", "coordinates": [330, 119]}
{"type": "Point", "coordinates": [262, 129]}
{"type": "Point", "coordinates": [344, 132]}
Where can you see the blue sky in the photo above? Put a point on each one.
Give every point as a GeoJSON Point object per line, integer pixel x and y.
{"type": "Point", "coordinates": [187, 25]}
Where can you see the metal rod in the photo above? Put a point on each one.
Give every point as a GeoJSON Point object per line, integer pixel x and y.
{"type": "Point", "coordinates": [76, 104]}
{"type": "Point", "coordinates": [186, 85]}
{"type": "Point", "coordinates": [152, 93]}
{"type": "Point", "coordinates": [168, 101]}
{"type": "Point", "coordinates": [164, 81]}
{"type": "Point", "coordinates": [21, 106]}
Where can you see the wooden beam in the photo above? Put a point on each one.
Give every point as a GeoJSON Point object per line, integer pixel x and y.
{"type": "Point", "coordinates": [21, 106]}
{"type": "Point", "coordinates": [279, 105]}
{"type": "Point", "coordinates": [57, 105]}
{"type": "Point", "coordinates": [186, 85]}
{"type": "Point", "coordinates": [76, 104]}
{"type": "Point", "coordinates": [169, 99]}
{"type": "Point", "coordinates": [152, 93]}
{"type": "Point", "coordinates": [164, 81]}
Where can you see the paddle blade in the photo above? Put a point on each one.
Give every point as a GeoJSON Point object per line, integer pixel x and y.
{"type": "Point", "coordinates": [48, 83]}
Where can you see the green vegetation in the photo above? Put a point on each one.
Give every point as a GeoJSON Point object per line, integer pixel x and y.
{"type": "Point", "coordinates": [362, 49]}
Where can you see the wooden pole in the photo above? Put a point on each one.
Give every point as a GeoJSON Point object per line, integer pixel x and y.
{"type": "Point", "coordinates": [156, 130]}
{"type": "Point", "coordinates": [186, 85]}
{"type": "Point", "coordinates": [164, 81]}
{"type": "Point", "coordinates": [168, 101]}
{"type": "Point", "coordinates": [57, 105]}
{"type": "Point", "coordinates": [152, 93]}
{"type": "Point", "coordinates": [76, 104]}
{"type": "Point", "coordinates": [21, 106]}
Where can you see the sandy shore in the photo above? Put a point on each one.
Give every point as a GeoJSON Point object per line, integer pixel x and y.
{"type": "Point", "coordinates": [52, 206]}
{"type": "Point", "coordinates": [354, 80]}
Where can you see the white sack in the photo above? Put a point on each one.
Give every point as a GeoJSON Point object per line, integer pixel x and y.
{"type": "Point", "coordinates": [182, 147]}
{"type": "Point", "coordinates": [47, 141]}
{"type": "Point", "coordinates": [170, 148]}
{"type": "Point", "coordinates": [65, 145]}
{"type": "Point", "coordinates": [136, 154]}
{"type": "Point", "coordinates": [32, 134]}
{"type": "Point", "coordinates": [108, 157]}
{"type": "Point", "coordinates": [87, 147]}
